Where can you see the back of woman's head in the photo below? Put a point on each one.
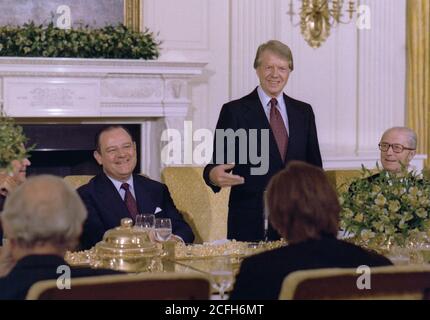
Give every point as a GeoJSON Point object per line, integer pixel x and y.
{"type": "Point", "coordinates": [302, 204]}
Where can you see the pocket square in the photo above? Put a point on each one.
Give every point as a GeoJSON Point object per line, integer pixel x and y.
{"type": "Point", "coordinates": [157, 210]}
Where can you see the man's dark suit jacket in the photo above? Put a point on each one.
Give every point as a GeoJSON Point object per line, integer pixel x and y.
{"type": "Point", "coordinates": [245, 218]}
{"type": "Point", "coordinates": [261, 276]}
{"type": "Point", "coordinates": [106, 208]}
{"type": "Point", "coordinates": [34, 268]}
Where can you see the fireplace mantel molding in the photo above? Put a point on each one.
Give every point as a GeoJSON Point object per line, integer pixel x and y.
{"type": "Point", "coordinates": [73, 88]}
{"type": "Point", "coordinates": [69, 90]}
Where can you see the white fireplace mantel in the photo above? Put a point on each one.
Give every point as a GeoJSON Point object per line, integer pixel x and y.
{"type": "Point", "coordinates": [67, 87]}
{"type": "Point", "coordinates": [46, 90]}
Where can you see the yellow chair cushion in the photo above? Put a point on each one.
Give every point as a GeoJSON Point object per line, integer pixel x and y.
{"type": "Point", "coordinates": [341, 179]}
{"type": "Point", "coordinates": [77, 181]}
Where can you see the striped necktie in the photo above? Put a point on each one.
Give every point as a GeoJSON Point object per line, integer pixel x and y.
{"type": "Point", "coordinates": [278, 128]}
{"type": "Point", "coordinates": [130, 202]}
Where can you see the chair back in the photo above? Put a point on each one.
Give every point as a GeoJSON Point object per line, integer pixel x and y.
{"type": "Point", "coordinates": [341, 179]}
{"type": "Point", "coordinates": [148, 286]}
{"type": "Point", "coordinates": [77, 180]}
{"type": "Point", "coordinates": [391, 282]}
{"type": "Point", "coordinates": [204, 210]}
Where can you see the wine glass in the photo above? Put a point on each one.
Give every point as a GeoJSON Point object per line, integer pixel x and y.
{"type": "Point", "coordinates": [222, 277]}
{"type": "Point", "coordinates": [163, 229]}
{"type": "Point", "coordinates": [145, 222]}
{"type": "Point", "coordinates": [419, 244]}
{"type": "Point", "coordinates": [399, 255]}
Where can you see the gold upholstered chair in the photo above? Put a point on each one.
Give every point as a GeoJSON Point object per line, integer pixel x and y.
{"type": "Point", "coordinates": [78, 180]}
{"type": "Point", "coordinates": [341, 179]}
{"type": "Point", "coordinates": [204, 210]}
{"type": "Point", "coordinates": [390, 282]}
{"type": "Point", "coordinates": [148, 286]}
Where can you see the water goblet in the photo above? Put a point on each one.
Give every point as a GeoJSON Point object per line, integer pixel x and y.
{"type": "Point", "coordinates": [146, 221]}
{"type": "Point", "coordinates": [421, 246]}
{"type": "Point", "coordinates": [399, 255]}
{"type": "Point", "coordinates": [163, 229]}
{"type": "Point", "coordinates": [222, 276]}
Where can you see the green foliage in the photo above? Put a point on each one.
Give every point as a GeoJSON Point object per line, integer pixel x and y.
{"type": "Point", "coordinates": [110, 42]}
{"type": "Point", "coordinates": [12, 142]}
{"type": "Point", "coordinates": [390, 207]}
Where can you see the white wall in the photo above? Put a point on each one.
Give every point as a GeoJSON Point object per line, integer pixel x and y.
{"type": "Point", "coordinates": [196, 30]}
{"type": "Point", "coordinates": [355, 81]}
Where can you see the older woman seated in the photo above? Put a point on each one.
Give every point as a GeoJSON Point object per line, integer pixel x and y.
{"type": "Point", "coordinates": [304, 209]}
{"type": "Point", "coordinates": [8, 182]}
{"type": "Point", "coordinates": [42, 219]}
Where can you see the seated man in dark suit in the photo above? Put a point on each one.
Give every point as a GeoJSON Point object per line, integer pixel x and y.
{"type": "Point", "coordinates": [303, 207]}
{"type": "Point", "coordinates": [118, 193]}
{"type": "Point", "coordinates": [42, 219]}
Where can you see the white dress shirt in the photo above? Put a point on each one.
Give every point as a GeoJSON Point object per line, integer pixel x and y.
{"type": "Point", "coordinates": [121, 191]}
{"type": "Point", "coordinates": [118, 185]}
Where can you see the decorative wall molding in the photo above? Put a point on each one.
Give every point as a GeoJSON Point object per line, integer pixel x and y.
{"type": "Point", "coordinates": [144, 89]}
{"type": "Point", "coordinates": [381, 73]}
{"type": "Point", "coordinates": [181, 25]}
{"type": "Point", "coordinates": [252, 23]}
{"type": "Point", "coordinates": [196, 30]}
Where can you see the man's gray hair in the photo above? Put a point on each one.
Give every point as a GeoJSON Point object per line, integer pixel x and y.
{"type": "Point", "coordinates": [45, 209]}
{"type": "Point", "coordinates": [408, 132]}
{"type": "Point", "coordinates": [278, 48]}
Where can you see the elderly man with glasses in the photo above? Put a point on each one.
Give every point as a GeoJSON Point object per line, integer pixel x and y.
{"type": "Point", "coordinates": [398, 147]}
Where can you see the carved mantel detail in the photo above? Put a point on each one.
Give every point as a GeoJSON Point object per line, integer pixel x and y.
{"type": "Point", "coordinates": [96, 90]}
{"type": "Point", "coordinates": [61, 87]}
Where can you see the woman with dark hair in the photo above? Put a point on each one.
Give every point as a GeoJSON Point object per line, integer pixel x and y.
{"type": "Point", "coordinates": [303, 207]}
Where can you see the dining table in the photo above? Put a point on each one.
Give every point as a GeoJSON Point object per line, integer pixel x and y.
{"type": "Point", "coordinates": [193, 258]}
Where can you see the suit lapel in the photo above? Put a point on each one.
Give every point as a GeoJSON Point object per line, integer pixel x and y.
{"type": "Point", "coordinates": [113, 206]}
{"type": "Point", "coordinates": [256, 119]}
{"type": "Point", "coordinates": [295, 124]}
{"type": "Point", "coordinates": [254, 112]}
{"type": "Point", "coordinates": [144, 196]}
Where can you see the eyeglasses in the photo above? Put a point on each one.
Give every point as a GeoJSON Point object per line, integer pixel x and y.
{"type": "Point", "coordinates": [397, 148]}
